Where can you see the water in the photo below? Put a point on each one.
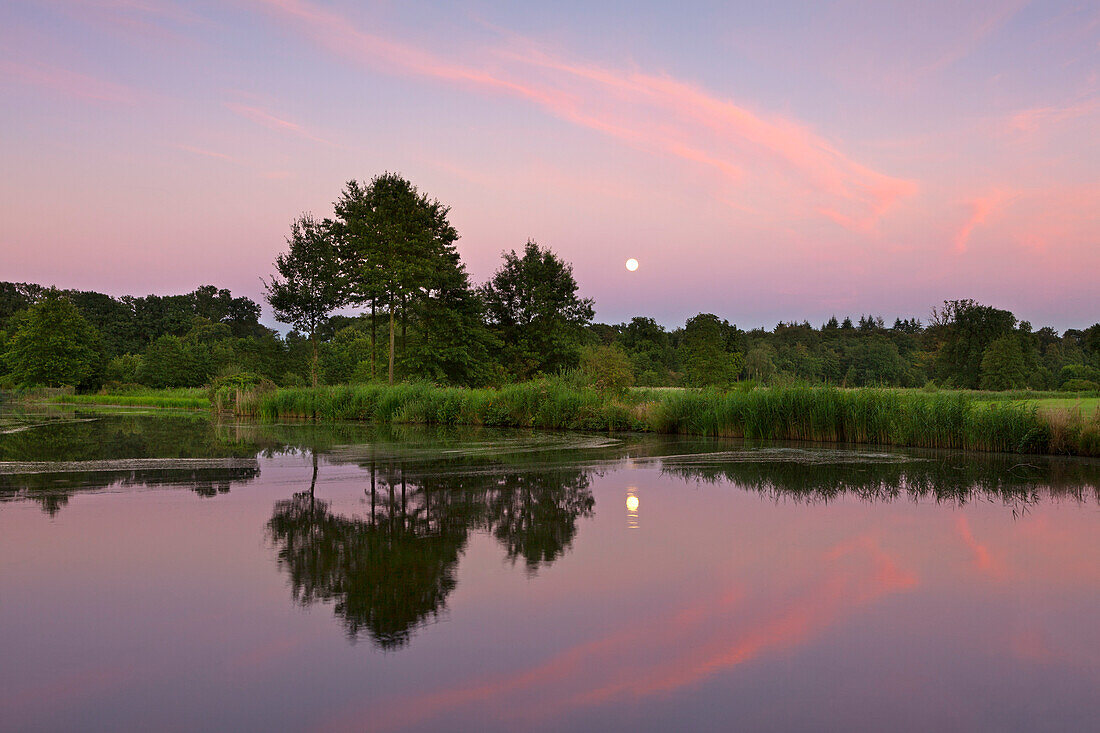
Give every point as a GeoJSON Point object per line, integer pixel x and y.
{"type": "Point", "coordinates": [166, 573]}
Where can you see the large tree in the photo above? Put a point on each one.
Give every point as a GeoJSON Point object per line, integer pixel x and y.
{"type": "Point", "coordinates": [53, 344]}
{"type": "Point", "coordinates": [307, 287]}
{"type": "Point", "coordinates": [397, 246]}
{"type": "Point", "coordinates": [651, 353]}
{"type": "Point", "coordinates": [532, 304]}
{"type": "Point", "coordinates": [703, 353]}
{"type": "Point", "coordinates": [1004, 365]}
{"type": "Point", "coordinates": [450, 343]}
{"type": "Point", "coordinates": [967, 328]}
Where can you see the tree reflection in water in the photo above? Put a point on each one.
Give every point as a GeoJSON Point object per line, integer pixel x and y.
{"type": "Point", "coordinates": [390, 572]}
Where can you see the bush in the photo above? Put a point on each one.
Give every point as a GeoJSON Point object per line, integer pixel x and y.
{"type": "Point", "coordinates": [1079, 385]}
{"type": "Point", "coordinates": [123, 369]}
{"type": "Point", "coordinates": [174, 362]}
{"type": "Point", "coordinates": [607, 368]}
{"type": "Point", "coordinates": [230, 391]}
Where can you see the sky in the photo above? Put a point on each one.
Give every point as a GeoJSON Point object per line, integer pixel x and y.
{"type": "Point", "coordinates": [762, 161]}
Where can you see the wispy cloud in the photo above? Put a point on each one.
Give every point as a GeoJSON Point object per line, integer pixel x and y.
{"type": "Point", "coordinates": [984, 27]}
{"type": "Point", "coordinates": [650, 112]}
{"type": "Point", "coordinates": [981, 208]}
{"type": "Point", "coordinates": [267, 119]}
{"type": "Point", "coordinates": [668, 652]}
{"type": "Point", "coordinates": [67, 83]}
{"type": "Point", "coordinates": [1037, 119]}
{"type": "Point", "coordinates": [147, 22]}
{"type": "Point", "coordinates": [205, 153]}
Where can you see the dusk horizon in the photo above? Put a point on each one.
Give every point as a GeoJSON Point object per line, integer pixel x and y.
{"type": "Point", "coordinates": [786, 164]}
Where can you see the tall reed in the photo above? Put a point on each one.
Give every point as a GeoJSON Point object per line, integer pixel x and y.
{"type": "Point", "coordinates": [798, 412]}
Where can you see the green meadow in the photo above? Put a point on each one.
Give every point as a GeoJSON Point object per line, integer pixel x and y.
{"type": "Point", "coordinates": [180, 397]}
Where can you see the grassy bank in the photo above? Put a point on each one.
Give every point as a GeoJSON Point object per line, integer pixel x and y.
{"type": "Point", "coordinates": [886, 417]}
{"type": "Point", "coordinates": [190, 398]}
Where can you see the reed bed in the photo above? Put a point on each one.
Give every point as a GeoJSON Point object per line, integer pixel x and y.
{"type": "Point", "coordinates": [873, 416]}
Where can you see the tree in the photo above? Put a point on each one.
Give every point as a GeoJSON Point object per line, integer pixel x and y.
{"type": "Point", "coordinates": [650, 351]}
{"type": "Point", "coordinates": [532, 304]}
{"type": "Point", "coordinates": [171, 361]}
{"type": "Point", "coordinates": [53, 345]}
{"type": "Point", "coordinates": [307, 287]}
{"type": "Point", "coordinates": [875, 361]}
{"type": "Point", "coordinates": [397, 246]}
{"type": "Point", "coordinates": [760, 362]}
{"type": "Point", "coordinates": [15, 297]}
{"type": "Point", "coordinates": [451, 343]}
{"type": "Point", "coordinates": [1090, 339]}
{"type": "Point", "coordinates": [967, 328]}
{"type": "Point", "coordinates": [703, 353]}
{"type": "Point", "coordinates": [342, 355]}
{"type": "Point", "coordinates": [240, 314]}
{"type": "Point", "coordinates": [1004, 365]}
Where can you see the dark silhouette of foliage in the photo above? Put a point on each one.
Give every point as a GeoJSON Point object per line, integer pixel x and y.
{"type": "Point", "coordinates": [532, 305]}
{"type": "Point", "coordinates": [53, 345]}
{"type": "Point", "coordinates": [307, 286]}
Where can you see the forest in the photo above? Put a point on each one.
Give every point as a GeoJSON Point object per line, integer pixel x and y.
{"type": "Point", "coordinates": [377, 292]}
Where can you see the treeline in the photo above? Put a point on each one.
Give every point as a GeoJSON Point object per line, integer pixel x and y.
{"type": "Point", "coordinates": [85, 339]}
{"type": "Point", "coordinates": [964, 345]}
{"type": "Point", "coordinates": [388, 253]}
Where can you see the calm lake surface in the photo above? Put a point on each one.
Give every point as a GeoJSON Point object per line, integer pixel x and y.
{"type": "Point", "coordinates": [165, 572]}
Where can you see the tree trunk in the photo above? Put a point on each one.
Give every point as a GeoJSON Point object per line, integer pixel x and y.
{"type": "Point", "coordinates": [313, 365]}
{"type": "Point", "coordinates": [372, 493]}
{"type": "Point", "coordinates": [313, 485]}
{"type": "Point", "coordinates": [391, 341]}
{"type": "Point", "coordinates": [372, 330]}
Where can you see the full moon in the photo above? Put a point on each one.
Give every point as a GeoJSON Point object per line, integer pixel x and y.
{"type": "Point", "coordinates": [632, 264]}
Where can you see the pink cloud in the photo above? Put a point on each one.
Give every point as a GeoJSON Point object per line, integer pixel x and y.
{"type": "Point", "coordinates": [68, 83]}
{"type": "Point", "coordinates": [151, 23]}
{"type": "Point", "coordinates": [650, 112]}
{"type": "Point", "coordinates": [983, 558]}
{"type": "Point", "coordinates": [981, 208]}
{"type": "Point", "coordinates": [977, 34]}
{"type": "Point", "coordinates": [270, 121]}
{"type": "Point", "coordinates": [205, 153]}
{"type": "Point", "coordinates": [1037, 119]}
{"type": "Point", "coordinates": [668, 652]}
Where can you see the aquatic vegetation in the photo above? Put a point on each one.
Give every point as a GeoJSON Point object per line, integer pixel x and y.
{"type": "Point", "coordinates": [952, 420]}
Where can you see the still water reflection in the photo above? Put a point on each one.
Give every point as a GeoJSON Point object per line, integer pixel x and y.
{"type": "Point", "coordinates": [172, 573]}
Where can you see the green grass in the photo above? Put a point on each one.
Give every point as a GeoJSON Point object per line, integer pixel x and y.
{"type": "Point", "coordinates": [188, 398]}
{"type": "Point", "coordinates": [1086, 405]}
{"type": "Point", "coordinates": [952, 420]}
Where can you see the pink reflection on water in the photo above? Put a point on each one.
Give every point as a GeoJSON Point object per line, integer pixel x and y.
{"type": "Point", "coordinates": [697, 641]}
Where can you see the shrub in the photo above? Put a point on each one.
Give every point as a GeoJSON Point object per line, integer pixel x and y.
{"type": "Point", "coordinates": [1079, 385]}
{"type": "Point", "coordinates": [123, 369]}
{"type": "Point", "coordinates": [607, 368]}
{"type": "Point", "coordinates": [232, 391]}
